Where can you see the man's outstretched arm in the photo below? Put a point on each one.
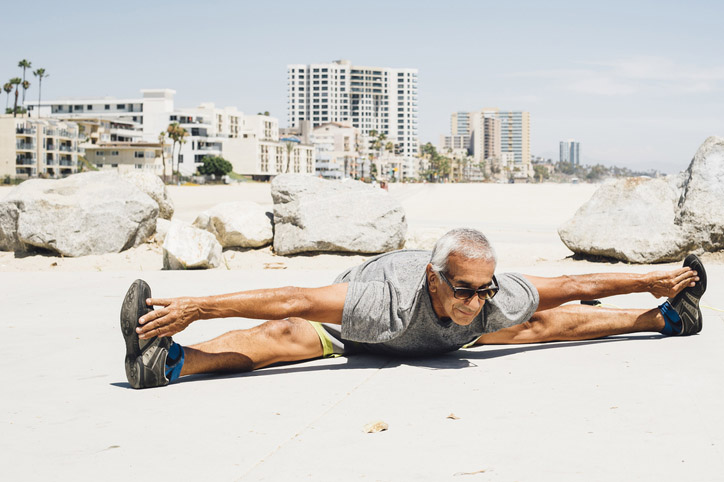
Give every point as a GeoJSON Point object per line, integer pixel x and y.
{"type": "Point", "coordinates": [556, 291]}
{"type": "Point", "coordinates": [317, 304]}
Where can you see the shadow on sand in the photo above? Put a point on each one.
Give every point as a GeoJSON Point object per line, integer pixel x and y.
{"type": "Point", "coordinates": [448, 361]}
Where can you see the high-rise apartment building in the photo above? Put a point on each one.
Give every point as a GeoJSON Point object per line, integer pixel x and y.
{"type": "Point", "coordinates": [484, 135]}
{"type": "Point", "coordinates": [369, 98]}
{"type": "Point", "coordinates": [460, 124]}
{"type": "Point", "coordinates": [570, 151]}
{"type": "Point", "coordinates": [515, 139]}
{"type": "Point", "coordinates": [501, 138]}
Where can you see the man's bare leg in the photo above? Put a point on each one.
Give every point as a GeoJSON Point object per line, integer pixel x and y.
{"type": "Point", "coordinates": [292, 339]}
{"type": "Point", "coordinates": [562, 289]}
{"type": "Point", "coordinates": [577, 322]}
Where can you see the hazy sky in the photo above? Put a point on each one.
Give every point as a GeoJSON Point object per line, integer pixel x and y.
{"type": "Point", "coordinates": [638, 83]}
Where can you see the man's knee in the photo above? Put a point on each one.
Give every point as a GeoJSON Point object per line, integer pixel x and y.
{"type": "Point", "coordinates": [296, 331]}
{"type": "Point", "coordinates": [534, 330]}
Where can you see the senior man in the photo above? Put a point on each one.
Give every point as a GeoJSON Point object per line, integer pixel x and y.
{"type": "Point", "coordinates": [402, 303]}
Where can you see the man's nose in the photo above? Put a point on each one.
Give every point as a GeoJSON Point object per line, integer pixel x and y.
{"type": "Point", "coordinates": [474, 302]}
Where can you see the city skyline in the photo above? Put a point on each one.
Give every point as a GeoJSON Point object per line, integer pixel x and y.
{"type": "Point", "coordinates": [639, 85]}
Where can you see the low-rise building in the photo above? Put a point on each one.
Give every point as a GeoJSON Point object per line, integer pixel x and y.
{"type": "Point", "coordinates": [129, 156]}
{"type": "Point", "coordinates": [249, 142]}
{"type": "Point", "coordinates": [259, 152]}
{"type": "Point", "coordinates": [337, 150]}
{"type": "Point", "coordinates": [37, 147]}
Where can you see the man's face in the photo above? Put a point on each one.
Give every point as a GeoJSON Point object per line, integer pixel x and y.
{"type": "Point", "coordinates": [462, 273]}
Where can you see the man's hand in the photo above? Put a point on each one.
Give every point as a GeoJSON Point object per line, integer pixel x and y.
{"type": "Point", "coordinates": [174, 316]}
{"type": "Point", "coordinates": [670, 283]}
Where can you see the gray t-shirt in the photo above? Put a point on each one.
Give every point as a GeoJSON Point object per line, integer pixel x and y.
{"type": "Point", "coordinates": [388, 307]}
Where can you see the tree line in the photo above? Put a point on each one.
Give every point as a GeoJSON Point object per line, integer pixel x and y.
{"type": "Point", "coordinates": [15, 83]}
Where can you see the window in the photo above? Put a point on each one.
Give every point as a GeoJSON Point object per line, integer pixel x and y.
{"type": "Point", "coordinates": [138, 166]}
{"type": "Point", "coordinates": [114, 165]}
{"type": "Point", "coordinates": [90, 107]}
{"type": "Point", "coordinates": [120, 106]}
{"type": "Point", "coordinates": [138, 154]}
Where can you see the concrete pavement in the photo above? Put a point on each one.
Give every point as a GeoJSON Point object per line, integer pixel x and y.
{"type": "Point", "coordinates": [638, 407]}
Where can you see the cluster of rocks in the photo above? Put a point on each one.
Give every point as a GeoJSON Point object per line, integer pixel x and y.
{"type": "Point", "coordinates": [88, 213]}
{"type": "Point", "coordinates": [644, 220]}
{"type": "Point", "coordinates": [103, 212]}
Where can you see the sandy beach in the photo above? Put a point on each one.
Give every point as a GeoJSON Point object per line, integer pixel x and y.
{"type": "Point", "coordinates": [520, 219]}
{"type": "Point", "coordinates": [553, 411]}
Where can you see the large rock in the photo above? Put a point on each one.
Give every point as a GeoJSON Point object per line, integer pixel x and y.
{"type": "Point", "coordinates": [702, 202]}
{"type": "Point", "coordinates": [152, 185]}
{"type": "Point", "coordinates": [644, 220]}
{"type": "Point", "coordinates": [242, 224]}
{"type": "Point", "coordinates": [162, 227]}
{"type": "Point", "coordinates": [88, 213]}
{"type": "Point", "coordinates": [313, 215]}
{"type": "Point", "coordinates": [187, 247]}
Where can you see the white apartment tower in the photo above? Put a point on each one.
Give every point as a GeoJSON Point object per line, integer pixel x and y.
{"type": "Point", "coordinates": [504, 135]}
{"type": "Point", "coordinates": [368, 98]}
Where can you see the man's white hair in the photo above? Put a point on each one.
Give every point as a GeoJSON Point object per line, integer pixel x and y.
{"type": "Point", "coordinates": [465, 242]}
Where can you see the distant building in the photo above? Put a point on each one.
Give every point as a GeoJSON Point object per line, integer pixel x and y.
{"type": "Point", "coordinates": [337, 152]}
{"type": "Point", "coordinates": [494, 137]}
{"type": "Point", "coordinates": [129, 156]}
{"type": "Point", "coordinates": [250, 143]}
{"type": "Point", "coordinates": [485, 136]}
{"type": "Point", "coordinates": [369, 98]}
{"type": "Point", "coordinates": [570, 151]}
{"type": "Point", "coordinates": [37, 147]}
{"type": "Point", "coordinates": [454, 142]}
{"type": "Point", "coordinates": [460, 124]}
{"type": "Point", "coordinates": [260, 152]}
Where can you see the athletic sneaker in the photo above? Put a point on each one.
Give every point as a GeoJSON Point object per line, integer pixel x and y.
{"type": "Point", "coordinates": [145, 359]}
{"type": "Point", "coordinates": [686, 303]}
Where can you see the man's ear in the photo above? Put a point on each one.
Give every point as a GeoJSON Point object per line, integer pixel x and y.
{"type": "Point", "coordinates": [431, 278]}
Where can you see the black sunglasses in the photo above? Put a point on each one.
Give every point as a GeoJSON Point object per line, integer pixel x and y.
{"type": "Point", "coordinates": [467, 293]}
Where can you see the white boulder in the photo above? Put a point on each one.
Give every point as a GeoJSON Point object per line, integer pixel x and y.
{"type": "Point", "coordinates": [644, 220]}
{"type": "Point", "coordinates": [187, 247]}
{"type": "Point", "coordinates": [152, 185]}
{"type": "Point", "coordinates": [315, 215]}
{"type": "Point", "coordinates": [242, 224]}
{"type": "Point", "coordinates": [88, 213]}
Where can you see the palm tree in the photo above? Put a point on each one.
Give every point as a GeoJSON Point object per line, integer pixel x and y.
{"type": "Point", "coordinates": [16, 81]}
{"type": "Point", "coordinates": [25, 64]}
{"type": "Point", "coordinates": [177, 135]}
{"type": "Point", "coordinates": [8, 87]}
{"type": "Point", "coordinates": [26, 86]}
{"type": "Point", "coordinates": [40, 74]}
{"type": "Point", "coordinates": [290, 148]}
{"type": "Point", "coordinates": [162, 141]}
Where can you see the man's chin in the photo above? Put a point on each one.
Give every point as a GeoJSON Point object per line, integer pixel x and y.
{"type": "Point", "coordinates": [462, 318]}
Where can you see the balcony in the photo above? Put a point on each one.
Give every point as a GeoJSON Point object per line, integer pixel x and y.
{"type": "Point", "coordinates": [51, 162]}
{"type": "Point", "coordinates": [65, 148]}
{"type": "Point", "coordinates": [25, 130]}
{"type": "Point", "coordinates": [208, 148]}
{"type": "Point", "coordinates": [25, 146]}
{"type": "Point", "coordinates": [25, 161]}
{"type": "Point", "coordinates": [66, 163]}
